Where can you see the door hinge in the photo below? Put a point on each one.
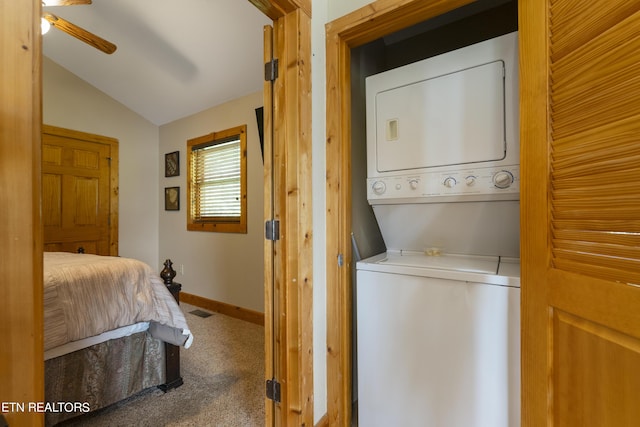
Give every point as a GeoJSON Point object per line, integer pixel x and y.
{"type": "Point", "coordinates": [271, 70]}
{"type": "Point", "coordinates": [273, 390]}
{"type": "Point", "coordinates": [340, 260]}
{"type": "Point", "coordinates": [272, 230]}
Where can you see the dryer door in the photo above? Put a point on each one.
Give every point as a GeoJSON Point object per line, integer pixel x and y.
{"type": "Point", "coordinates": [452, 119]}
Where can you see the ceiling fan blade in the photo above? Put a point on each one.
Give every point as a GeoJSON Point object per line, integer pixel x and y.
{"type": "Point", "coordinates": [80, 33]}
{"type": "Point", "coordinates": [65, 2]}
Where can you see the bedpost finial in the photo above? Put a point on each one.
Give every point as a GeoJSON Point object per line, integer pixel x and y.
{"type": "Point", "coordinates": [168, 273]}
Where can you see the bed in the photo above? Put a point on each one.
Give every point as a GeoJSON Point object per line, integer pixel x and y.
{"type": "Point", "coordinates": [112, 327]}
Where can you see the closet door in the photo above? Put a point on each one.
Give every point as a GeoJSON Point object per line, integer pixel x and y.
{"type": "Point", "coordinates": [580, 195]}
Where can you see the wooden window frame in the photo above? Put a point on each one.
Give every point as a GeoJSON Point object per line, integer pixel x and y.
{"type": "Point", "coordinates": [222, 224]}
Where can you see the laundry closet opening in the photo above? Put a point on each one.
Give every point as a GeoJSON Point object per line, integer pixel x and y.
{"type": "Point", "coordinates": [462, 27]}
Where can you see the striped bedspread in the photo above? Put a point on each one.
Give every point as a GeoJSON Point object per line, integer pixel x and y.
{"type": "Point", "coordinates": [86, 295]}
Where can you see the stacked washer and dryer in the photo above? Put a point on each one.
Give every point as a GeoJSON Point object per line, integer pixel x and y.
{"type": "Point", "coordinates": [438, 314]}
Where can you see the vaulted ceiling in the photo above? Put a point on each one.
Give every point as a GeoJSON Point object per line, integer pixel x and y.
{"type": "Point", "coordinates": [173, 58]}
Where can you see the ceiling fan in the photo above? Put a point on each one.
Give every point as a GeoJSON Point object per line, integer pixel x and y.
{"type": "Point", "coordinates": [74, 30]}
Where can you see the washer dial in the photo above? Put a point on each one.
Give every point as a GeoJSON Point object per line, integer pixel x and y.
{"type": "Point", "coordinates": [503, 179]}
{"type": "Point", "coordinates": [450, 182]}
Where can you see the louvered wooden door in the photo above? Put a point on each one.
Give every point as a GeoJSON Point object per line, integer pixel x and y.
{"type": "Point", "coordinates": [78, 207]}
{"type": "Point", "coordinates": [580, 118]}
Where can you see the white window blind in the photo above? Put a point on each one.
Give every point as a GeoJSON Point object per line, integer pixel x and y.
{"type": "Point", "coordinates": [216, 180]}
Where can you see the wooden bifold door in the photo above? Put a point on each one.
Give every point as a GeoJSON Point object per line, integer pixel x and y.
{"type": "Point", "coordinates": [580, 110]}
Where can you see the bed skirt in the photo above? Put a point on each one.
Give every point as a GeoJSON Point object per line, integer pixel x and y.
{"type": "Point", "coordinates": [103, 374]}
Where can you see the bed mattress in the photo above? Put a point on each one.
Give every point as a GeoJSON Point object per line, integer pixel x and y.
{"type": "Point", "coordinates": [88, 295]}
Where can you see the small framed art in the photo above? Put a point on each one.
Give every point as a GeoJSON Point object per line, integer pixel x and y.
{"type": "Point", "coordinates": [172, 164]}
{"type": "Point", "coordinates": [172, 198]}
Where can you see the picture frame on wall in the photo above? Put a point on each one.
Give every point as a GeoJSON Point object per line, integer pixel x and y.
{"type": "Point", "coordinates": [172, 164]}
{"type": "Point", "coordinates": [172, 198]}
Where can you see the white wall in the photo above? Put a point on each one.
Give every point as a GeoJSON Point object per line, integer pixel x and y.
{"type": "Point", "coordinates": [338, 8]}
{"type": "Point", "coordinates": [226, 267]}
{"type": "Point", "coordinates": [323, 12]}
{"type": "Point", "coordinates": [318, 167]}
{"type": "Point", "coordinates": [72, 103]}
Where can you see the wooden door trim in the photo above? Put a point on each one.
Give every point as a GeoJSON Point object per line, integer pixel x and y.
{"type": "Point", "coordinates": [113, 173]}
{"type": "Point", "coordinates": [368, 23]}
{"type": "Point", "coordinates": [276, 9]}
{"type": "Point", "coordinates": [22, 367]}
{"type": "Point", "coordinates": [534, 252]}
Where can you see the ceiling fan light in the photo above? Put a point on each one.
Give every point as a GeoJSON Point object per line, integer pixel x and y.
{"type": "Point", "coordinates": [44, 25]}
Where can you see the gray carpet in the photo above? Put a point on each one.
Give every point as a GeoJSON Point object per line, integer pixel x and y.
{"type": "Point", "coordinates": [223, 374]}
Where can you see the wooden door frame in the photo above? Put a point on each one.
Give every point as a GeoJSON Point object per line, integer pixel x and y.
{"type": "Point", "coordinates": [22, 371]}
{"type": "Point", "coordinates": [534, 238]}
{"type": "Point", "coordinates": [366, 24]}
{"type": "Point", "coordinates": [21, 316]}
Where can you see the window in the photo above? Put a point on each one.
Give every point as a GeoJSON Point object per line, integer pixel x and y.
{"type": "Point", "coordinates": [217, 181]}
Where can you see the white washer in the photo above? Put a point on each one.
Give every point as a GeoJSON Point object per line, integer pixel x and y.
{"type": "Point", "coordinates": [438, 340]}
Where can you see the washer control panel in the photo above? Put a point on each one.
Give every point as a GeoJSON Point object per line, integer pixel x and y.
{"type": "Point", "coordinates": [493, 183]}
